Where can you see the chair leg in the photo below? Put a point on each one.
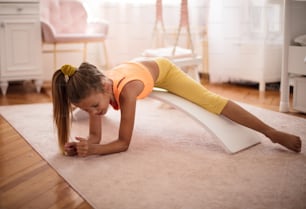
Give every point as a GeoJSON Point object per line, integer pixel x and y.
{"type": "Point", "coordinates": [190, 44]}
{"type": "Point", "coordinates": [157, 40]}
{"type": "Point", "coordinates": [85, 52]}
{"type": "Point", "coordinates": [154, 34]}
{"type": "Point", "coordinates": [106, 65]}
{"type": "Point", "coordinates": [54, 57]}
{"type": "Point", "coordinates": [176, 40]}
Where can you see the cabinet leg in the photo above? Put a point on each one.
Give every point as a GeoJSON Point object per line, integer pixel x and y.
{"type": "Point", "coordinates": [262, 86]}
{"type": "Point", "coordinates": [38, 84]}
{"type": "Point", "coordinates": [4, 86]}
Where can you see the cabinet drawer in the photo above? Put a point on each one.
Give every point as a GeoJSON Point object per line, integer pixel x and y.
{"type": "Point", "coordinates": [19, 9]}
{"type": "Point", "coordinates": [297, 60]}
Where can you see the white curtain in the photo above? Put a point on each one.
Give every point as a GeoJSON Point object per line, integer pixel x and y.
{"type": "Point", "coordinates": [245, 40]}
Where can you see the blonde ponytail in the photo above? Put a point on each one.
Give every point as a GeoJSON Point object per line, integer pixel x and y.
{"type": "Point", "coordinates": [61, 108]}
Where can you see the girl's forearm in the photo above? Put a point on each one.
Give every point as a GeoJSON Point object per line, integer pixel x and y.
{"type": "Point", "coordinates": [110, 148]}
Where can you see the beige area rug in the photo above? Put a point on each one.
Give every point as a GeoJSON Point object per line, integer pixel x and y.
{"type": "Point", "coordinates": [173, 163]}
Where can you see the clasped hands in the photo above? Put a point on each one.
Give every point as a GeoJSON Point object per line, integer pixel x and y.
{"type": "Point", "coordinates": [82, 147]}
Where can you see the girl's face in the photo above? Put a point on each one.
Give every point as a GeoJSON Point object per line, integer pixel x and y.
{"type": "Point", "coordinates": [95, 103]}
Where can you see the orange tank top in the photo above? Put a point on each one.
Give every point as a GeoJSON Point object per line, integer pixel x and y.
{"type": "Point", "coordinates": [124, 73]}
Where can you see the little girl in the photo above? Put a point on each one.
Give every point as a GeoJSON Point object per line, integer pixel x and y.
{"type": "Point", "coordinates": [87, 88]}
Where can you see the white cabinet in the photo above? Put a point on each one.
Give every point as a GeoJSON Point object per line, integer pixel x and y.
{"type": "Point", "coordinates": [294, 57]}
{"type": "Point", "coordinates": [20, 41]}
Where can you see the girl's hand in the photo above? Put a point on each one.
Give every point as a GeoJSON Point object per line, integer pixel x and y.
{"type": "Point", "coordinates": [70, 149]}
{"type": "Point", "coordinates": [82, 147]}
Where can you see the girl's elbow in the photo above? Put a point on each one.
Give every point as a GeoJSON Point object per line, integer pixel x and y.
{"type": "Point", "coordinates": [124, 143]}
{"type": "Point", "coordinates": [125, 146]}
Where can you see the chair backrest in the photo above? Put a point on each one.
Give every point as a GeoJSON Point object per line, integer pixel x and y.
{"type": "Point", "coordinates": [65, 16]}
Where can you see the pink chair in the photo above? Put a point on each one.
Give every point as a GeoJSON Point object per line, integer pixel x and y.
{"type": "Point", "coordinates": [65, 22]}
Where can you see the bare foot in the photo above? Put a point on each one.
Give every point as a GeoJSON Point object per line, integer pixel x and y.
{"type": "Point", "coordinates": [289, 141]}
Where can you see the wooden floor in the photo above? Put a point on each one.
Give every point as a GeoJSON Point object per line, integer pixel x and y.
{"type": "Point", "coordinates": [27, 181]}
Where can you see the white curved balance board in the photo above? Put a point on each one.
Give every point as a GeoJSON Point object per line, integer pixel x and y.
{"type": "Point", "coordinates": [233, 136]}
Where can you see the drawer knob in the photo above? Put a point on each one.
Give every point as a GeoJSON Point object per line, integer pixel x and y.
{"type": "Point", "coordinates": [19, 9]}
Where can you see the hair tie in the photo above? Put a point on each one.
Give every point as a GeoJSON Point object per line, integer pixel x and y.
{"type": "Point", "coordinates": [68, 70]}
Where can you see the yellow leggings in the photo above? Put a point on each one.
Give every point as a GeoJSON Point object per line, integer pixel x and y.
{"type": "Point", "coordinates": [177, 82]}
